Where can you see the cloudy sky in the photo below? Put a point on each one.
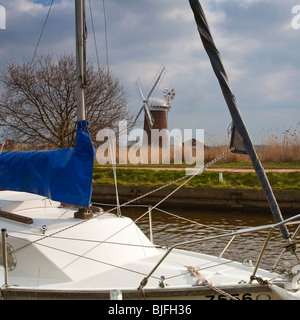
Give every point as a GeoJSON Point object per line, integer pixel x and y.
{"type": "Point", "coordinates": [259, 46]}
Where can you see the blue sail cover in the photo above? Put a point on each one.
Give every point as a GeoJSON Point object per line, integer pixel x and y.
{"type": "Point", "coordinates": [63, 175]}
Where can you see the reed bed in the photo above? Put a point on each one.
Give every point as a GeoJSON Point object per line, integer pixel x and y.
{"type": "Point", "coordinates": [281, 147]}
{"type": "Point", "coordinates": [276, 148]}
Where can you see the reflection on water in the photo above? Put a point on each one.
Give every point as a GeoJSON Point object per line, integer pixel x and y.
{"type": "Point", "coordinates": [168, 230]}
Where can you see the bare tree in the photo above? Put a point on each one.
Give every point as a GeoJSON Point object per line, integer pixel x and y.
{"type": "Point", "coordinates": [38, 101]}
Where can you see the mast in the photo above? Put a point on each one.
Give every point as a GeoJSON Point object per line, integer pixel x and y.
{"type": "Point", "coordinates": [216, 62]}
{"type": "Point", "coordinates": [81, 36]}
{"type": "Point", "coordinates": [80, 31]}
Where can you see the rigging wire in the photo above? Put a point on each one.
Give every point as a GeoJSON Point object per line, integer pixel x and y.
{"type": "Point", "coordinates": [112, 148]}
{"type": "Point", "coordinates": [81, 240]}
{"type": "Point", "coordinates": [94, 35]}
{"type": "Point", "coordinates": [41, 34]}
{"type": "Point", "coordinates": [221, 156]}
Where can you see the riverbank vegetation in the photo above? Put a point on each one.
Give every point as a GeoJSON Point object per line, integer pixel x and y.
{"type": "Point", "coordinates": [209, 179]}
{"type": "Point", "coordinates": [275, 149]}
{"type": "Point", "coordinates": [276, 152]}
{"type": "Point", "coordinates": [279, 150]}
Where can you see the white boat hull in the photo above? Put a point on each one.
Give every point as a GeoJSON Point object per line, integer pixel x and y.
{"type": "Point", "coordinates": [60, 257]}
{"type": "Point", "coordinates": [241, 292]}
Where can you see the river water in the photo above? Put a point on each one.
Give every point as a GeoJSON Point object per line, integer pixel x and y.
{"type": "Point", "coordinates": [169, 229]}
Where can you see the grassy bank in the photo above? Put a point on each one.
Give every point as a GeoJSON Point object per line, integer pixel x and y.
{"type": "Point", "coordinates": [233, 164]}
{"type": "Point", "coordinates": [279, 150]}
{"type": "Point", "coordinates": [266, 165]}
{"type": "Point", "coordinates": [152, 177]}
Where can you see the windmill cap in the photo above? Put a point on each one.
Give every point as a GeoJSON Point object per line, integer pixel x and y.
{"type": "Point", "coordinates": [156, 104]}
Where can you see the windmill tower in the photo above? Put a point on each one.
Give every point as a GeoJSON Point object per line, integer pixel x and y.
{"type": "Point", "coordinates": [155, 109]}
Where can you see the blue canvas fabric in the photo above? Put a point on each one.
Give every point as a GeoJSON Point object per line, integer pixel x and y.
{"type": "Point", "coordinates": [63, 175]}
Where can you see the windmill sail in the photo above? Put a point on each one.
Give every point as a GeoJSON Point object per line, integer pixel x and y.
{"type": "Point", "coordinates": [230, 99]}
{"type": "Point", "coordinates": [145, 105]}
{"type": "Point", "coordinates": [158, 78]}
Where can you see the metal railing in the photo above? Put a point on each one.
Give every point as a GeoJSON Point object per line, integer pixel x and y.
{"type": "Point", "coordinates": [4, 257]}
{"type": "Point", "coordinates": [291, 245]}
{"type": "Point", "coordinates": [271, 227]}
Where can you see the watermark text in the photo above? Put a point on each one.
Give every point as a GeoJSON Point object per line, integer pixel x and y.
{"type": "Point", "coordinates": [2, 17]}
{"type": "Point", "coordinates": [165, 147]}
{"type": "Point", "coordinates": [296, 19]}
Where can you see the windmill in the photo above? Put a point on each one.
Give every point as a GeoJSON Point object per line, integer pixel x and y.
{"type": "Point", "coordinates": [155, 109]}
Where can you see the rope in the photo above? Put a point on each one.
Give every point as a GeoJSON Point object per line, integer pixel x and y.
{"type": "Point", "coordinates": [192, 270]}
{"type": "Point", "coordinates": [86, 240]}
{"type": "Point", "coordinates": [112, 148]}
{"type": "Point", "coordinates": [133, 200]}
{"type": "Point", "coordinates": [93, 259]}
{"type": "Point", "coordinates": [200, 170]}
{"type": "Point", "coordinates": [94, 35]}
{"type": "Point", "coordinates": [195, 272]}
{"type": "Point", "coordinates": [130, 201]}
{"type": "Point", "coordinates": [207, 267]}
{"type": "Point", "coordinates": [179, 179]}
{"type": "Point", "coordinates": [56, 219]}
{"type": "Point", "coordinates": [40, 37]}
{"type": "Point", "coordinates": [259, 280]}
{"type": "Point", "coordinates": [192, 221]}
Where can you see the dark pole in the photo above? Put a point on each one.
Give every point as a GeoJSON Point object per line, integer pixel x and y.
{"type": "Point", "coordinates": [216, 62]}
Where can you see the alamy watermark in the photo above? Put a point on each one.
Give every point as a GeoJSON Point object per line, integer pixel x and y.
{"type": "Point", "coordinates": [2, 17]}
{"type": "Point", "coordinates": [296, 19]}
{"type": "Point", "coordinates": [175, 146]}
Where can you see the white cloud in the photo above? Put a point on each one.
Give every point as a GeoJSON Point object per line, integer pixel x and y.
{"type": "Point", "coordinates": [278, 84]}
{"type": "Point", "coordinates": [259, 49]}
{"type": "Point", "coordinates": [24, 6]}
